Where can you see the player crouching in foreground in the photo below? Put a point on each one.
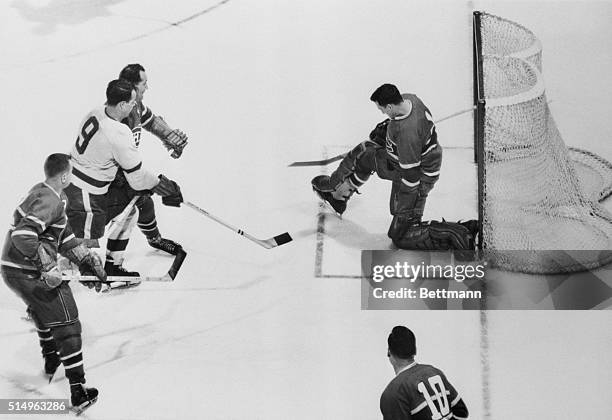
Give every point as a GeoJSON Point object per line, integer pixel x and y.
{"type": "Point", "coordinates": [403, 149]}
{"type": "Point", "coordinates": [29, 268]}
{"type": "Point", "coordinates": [418, 392]}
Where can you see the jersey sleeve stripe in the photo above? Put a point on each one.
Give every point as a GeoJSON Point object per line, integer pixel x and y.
{"type": "Point", "coordinates": [359, 179]}
{"type": "Point", "coordinates": [411, 184]}
{"type": "Point", "coordinates": [147, 117]}
{"type": "Point", "coordinates": [24, 232]}
{"type": "Point", "coordinates": [134, 169]}
{"type": "Point", "coordinates": [431, 173]}
{"type": "Point", "coordinates": [20, 266]}
{"type": "Point", "coordinates": [68, 238]}
{"type": "Point", "coordinates": [37, 220]}
{"type": "Point", "coordinates": [419, 407]}
{"type": "Point", "coordinates": [410, 165]}
{"type": "Point", "coordinates": [429, 149]}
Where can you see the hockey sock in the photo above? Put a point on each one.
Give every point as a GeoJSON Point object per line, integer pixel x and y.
{"type": "Point", "coordinates": [69, 342]}
{"type": "Point", "coordinates": [45, 338]}
{"type": "Point", "coordinates": [146, 217]}
{"type": "Point", "coordinates": [115, 249]}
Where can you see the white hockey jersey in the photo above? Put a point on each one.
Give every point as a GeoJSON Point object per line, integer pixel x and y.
{"type": "Point", "coordinates": [103, 146]}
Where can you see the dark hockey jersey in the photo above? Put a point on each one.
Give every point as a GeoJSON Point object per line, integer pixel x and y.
{"type": "Point", "coordinates": [412, 143]}
{"type": "Point", "coordinates": [421, 392]}
{"type": "Point", "coordinates": [141, 116]}
{"type": "Point", "coordinates": [41, 216]}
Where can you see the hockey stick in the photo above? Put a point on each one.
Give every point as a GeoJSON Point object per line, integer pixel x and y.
{"type": "Point", "coordinates": [110, 279]}
{"type": "Point", "coordinates": [324, 162]}
{"type": "Point", "coordinates": [278, 240]}
{"type": "Point", "coordinates": [118, 220]}
{"type": "Point", "coordinates": [169, 276]}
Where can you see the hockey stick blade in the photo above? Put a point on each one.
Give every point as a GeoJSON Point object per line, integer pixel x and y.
{"type": "Point", "coordinates": [278, 240]}
{"type": "Point", "coordinates": [177, 263]}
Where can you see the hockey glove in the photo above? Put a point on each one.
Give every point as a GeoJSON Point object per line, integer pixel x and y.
{"type": "Point", "coordinates": [175, 141]}
{"type": "Point", "coordinates": [379, 134]}
{"type": "Point", "coordinates": [47, 265]}
{"type": "Point", "coordinates": [169, 191]}
{"type": "Point", "coordinates": [88, 261]}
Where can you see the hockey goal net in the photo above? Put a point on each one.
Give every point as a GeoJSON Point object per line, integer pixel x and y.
{"type": "Point", "coordinates": [536, 196]}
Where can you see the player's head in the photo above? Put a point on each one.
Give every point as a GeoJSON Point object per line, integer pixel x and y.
{"type": "Point", "coordinates": [386, 97]}
{"type": "Point", "coordinates": [121, 95]}
{"type": "Point", "coordinates": [402, 343]}
{"type": "Point", "coordinates": [136, 75]}
{"type": "Point", "coordinates": [58, 169]}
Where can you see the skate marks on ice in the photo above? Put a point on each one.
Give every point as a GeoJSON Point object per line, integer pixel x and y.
{"type": "Point", "coordinates": [35, 387]}
{"type": "Point", "coordinates": [73, 13]}
{"type": "Point", "coordinates": [146, 339]}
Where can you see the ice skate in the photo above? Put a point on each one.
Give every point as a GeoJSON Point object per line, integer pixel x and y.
{"type": "Point", "coordinates": [165, 245]}
{"type": "Point", "coordinates": [336, 198]}
{"type": "Point", "coordinates": [82, 398]}
{"type": "Point", "coordinates": [113, 270]}
{"type": "Point", "coordinates": [118, 270]}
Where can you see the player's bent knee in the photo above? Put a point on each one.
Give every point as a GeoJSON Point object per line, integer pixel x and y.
{"type": "Point", "coordinates": [67, 332]}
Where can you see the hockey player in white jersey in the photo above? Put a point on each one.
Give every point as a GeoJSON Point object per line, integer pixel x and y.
{"type": "Point", "coordinates": [174, 140]}
{"type": "Point", "coordinates": [103, 146]}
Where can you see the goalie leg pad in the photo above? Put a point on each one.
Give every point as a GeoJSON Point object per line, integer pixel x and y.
{"type": "Point", "coordinates": [453, 235]}
{"type": "Point", "coordinates": [357, 165]}
{"type": "Point", "coordinates": [436, 236]}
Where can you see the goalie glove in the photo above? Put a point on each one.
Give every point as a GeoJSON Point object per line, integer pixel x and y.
{"type": "Point", "coordinates": [169, 191]}
{"type": "Point", "coordinates": [173, 139]}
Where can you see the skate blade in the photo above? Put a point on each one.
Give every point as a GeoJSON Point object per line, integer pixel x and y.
{"type": "Point", "coordinates": [81, 408]}
{"type": "Point", "coordinates": [120, 285]}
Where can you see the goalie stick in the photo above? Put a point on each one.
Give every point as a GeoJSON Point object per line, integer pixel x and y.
{"type": "Point", "coordinates": [277, 240]}
{"type": "Point", "coordinates": [324, 162]}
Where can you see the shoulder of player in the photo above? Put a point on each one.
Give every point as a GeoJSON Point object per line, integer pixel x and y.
{"type": "Point", "coordinates": [428, 369]}
{"type": "Point", "coordinates": [45, 195]}
{"type": "Point", "coordinates": [112, 129]}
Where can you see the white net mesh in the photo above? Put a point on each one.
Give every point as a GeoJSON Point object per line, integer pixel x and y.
{"type": "Point", "coordinates": [538, 195]}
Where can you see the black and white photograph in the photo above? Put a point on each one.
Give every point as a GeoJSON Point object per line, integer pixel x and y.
{"type": "Point", "coordinates": [322, 209]}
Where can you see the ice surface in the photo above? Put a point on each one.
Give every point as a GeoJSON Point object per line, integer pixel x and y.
{"type": "Point", "coordinates": [249, 333]}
